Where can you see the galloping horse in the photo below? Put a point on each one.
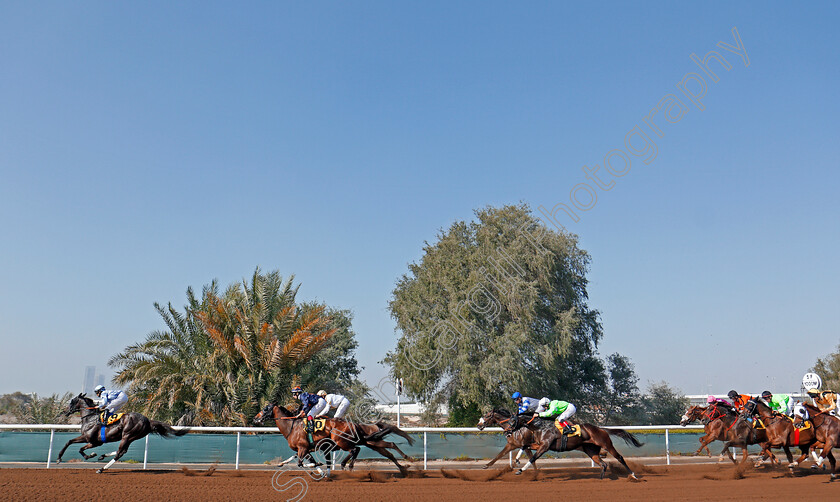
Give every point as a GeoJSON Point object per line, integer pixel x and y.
{"type": "Point", "coordinates": [780, 430]}
{"type": "Point", "coordinates": [826, 429]}
{"type": "Point", "coordinates": [344, 434]}
{"type": "Point", "coordinates": [722, 424]}
{"type": "Point", "coordinates": [130, 428]}
{"type": "Point", "coordinates": [521, 438]}
{"type": "Point", "coordinates": [590, 441]}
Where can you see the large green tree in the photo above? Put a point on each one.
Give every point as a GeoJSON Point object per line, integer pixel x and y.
{"type": "Point", "coordinates": [229, 352]}
{"type": "Point", "coordinates": [828, 368]}
{"type": "Point", "coordinates": [495, 305]}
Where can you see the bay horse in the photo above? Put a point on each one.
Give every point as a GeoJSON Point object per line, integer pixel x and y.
{"type": "Point", "coordinates": [827, 430]}
{"type": "Point", "coordinates": [590, 441]}
{"type": "Point", "coordinates": [722, 424]}
{"type": "Point", "coordinates": [343, 434]}
{"type": "Point", "coordinates": [130, 428]}
{"type": "Point", "coordinates": [780, 430]}
{"type": "Point", "coordinates": [521, 438]}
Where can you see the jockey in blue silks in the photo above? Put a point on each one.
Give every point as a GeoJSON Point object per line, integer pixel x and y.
{"type": "Point", "coordinates": [311, 405]}
{"type": "Point", "coordinates": [525, 404]}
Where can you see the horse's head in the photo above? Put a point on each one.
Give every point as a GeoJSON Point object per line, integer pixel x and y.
{"type": "Point", "coordinates": [77, 403]}
{"type": "Point", "coordinates": [691, 414]}
{"type": "Point", "coordinates": [800, 414]}
{"type": "Point", "coordinates": [753, 407]}
{"type": "Point", "coordinates": [493, 417]}
{"type": "Point", "coordinates": [266, 412]}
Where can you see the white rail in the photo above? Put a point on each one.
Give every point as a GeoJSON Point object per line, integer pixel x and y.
{"type": "Point", "coordinates": [425, 430]}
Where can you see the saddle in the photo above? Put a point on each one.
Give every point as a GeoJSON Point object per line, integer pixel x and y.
{"type": "Point", "coordinates": [575, 429]}
{"type": "Point", "coordinates": [111, 420]}
{"type": "Point", "coordinates": [757, 424]}
{"type": "Point", "coordinates": [803, 426]}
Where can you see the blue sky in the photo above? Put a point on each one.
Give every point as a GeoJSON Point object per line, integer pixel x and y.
{"type": "Point", "coordinates": [145, 149]}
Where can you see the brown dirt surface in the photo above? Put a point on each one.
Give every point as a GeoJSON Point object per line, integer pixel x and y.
{"type": "Point", "coordinates": [657, 483]}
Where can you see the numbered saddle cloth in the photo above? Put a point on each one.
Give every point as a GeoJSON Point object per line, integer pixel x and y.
{"type": "Point", "coordinates": [111, 420]}
{"type": "Point", "coordinates": [575, 431]}
{"type": "Point", "coordinates": [320, 424]}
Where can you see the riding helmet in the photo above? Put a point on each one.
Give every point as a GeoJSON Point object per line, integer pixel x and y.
{"type": "Point", "coordinates": [766, 394]}
{"type": "Point", "coordinates": [516, 395]}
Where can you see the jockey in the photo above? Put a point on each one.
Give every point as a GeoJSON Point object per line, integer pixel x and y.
{"type": "Point", "coordinates": [716, 401]}
{"type": "Point", "coordinates": [543, 405]}
{"type": "Point", "coordinates": [110, 400]}
{"type": "Point", "coordinates": [311, 405]}
{"type": "Point", "coordinates": [337, 401]}
{"type": "Point", "coordinates": [739, 400]}
{"type": "Point", "coordinates": [780, 403]}
{"type": "Point", "coordinates": [826, 401]}
{"type": "Point", "coordinates": [563, 411]}
{"type": "Point", "coordinates": [525, 404]}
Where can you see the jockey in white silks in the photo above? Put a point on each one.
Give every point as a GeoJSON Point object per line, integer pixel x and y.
{"type": "Point", "coordinates": [337, 401]}
{"type": "Point", "coordinates": [110, 400]}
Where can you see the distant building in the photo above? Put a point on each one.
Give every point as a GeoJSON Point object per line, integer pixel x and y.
{"type": "Point", "coordinates": [90, 374]}
{"type": "Point", "coordinates": [100, 379]}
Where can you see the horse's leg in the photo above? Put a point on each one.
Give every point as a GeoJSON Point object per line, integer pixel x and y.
{"type": "Point", "coordinates": [284, 462]}
{"type": "Point", "coordinates": [124, 444]}
{"type": "Point", "coordinates": [80, 439]}
{"type": "Point", "coordinates": [614, 453]}
{"type": "Point", "coordinates": [348, 458]}
{"type": "Point", "coordinates": [593, 452]}
{"type": "Point", "coordinates": [86, 447]}
{"type": "Point", "coordinates": [537, 454]}
{"type": "Point", "coordinates": [833, 463]}
{"type": "Point", "coordinates": [105, 455]}
{"type": "Point", "coordinates": [519, 454]}
{"type": "Point", "coordinates": [393, 446]}
{"type": "Point", "coordinates": [788, 453]}
{"type": "Point", "coordinates": [385, 453]}
{"type": "Point", "coordinates": [704, 445]}
{"type": "Point", "coordinates": [353, 456]}
{"type": "Point", "coordinates": [508, 447]}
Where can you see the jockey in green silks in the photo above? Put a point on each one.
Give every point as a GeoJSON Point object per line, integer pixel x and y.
{"type": "Point", "coordinates": [781, 403]}
{"type": "Point", "coordinates": [563, 410]}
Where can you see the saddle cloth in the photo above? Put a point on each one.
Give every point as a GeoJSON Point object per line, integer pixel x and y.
{"type": "Point", "coordinates": [576, 428]}
{"type": "Point", "coordinates": [111, 420]}
{"type": "Point", "coordinates": [320, 424]}
{"type": "Point", "coordinates": [758, 424]}
{"type": "Point", "coordinates": [803, 426]}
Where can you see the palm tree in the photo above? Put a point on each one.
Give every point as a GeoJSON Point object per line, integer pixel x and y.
{"type": "Point", "coordinates": [227, 353]}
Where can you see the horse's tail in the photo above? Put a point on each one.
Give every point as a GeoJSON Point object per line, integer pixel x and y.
{"type": "Point", "coordinates": [385, 429]}
{"type": "Point", "coordinates": [165, 430]}
{"type": "Point", "coordinates": [626, 436]}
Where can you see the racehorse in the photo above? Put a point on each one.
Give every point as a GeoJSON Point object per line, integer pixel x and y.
{"type": "Point", "coordinates": [722, 424]}
{"type": "Point", "coordinates": [590, 441]}
{"type": "Point", "coordinates": [130, 428]}
{"type": "Point", "coordinates": [780, 430]}
{"type": "Point", "coordinates": [826, 429]}
{"type": "Point", "coordinates": [521, 438]}
{"type": "Point", "coordinates": [344, 434]}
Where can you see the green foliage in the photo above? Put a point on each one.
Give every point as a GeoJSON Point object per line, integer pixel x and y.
{"type": "Point", "coordinates": [43, 410]}
{"type": "Point", "coordinates": [463, 416]}
{"type": "Point", "coordinates": [663, 405]}
{"type": "Point", "coordinates": [828, 368]}
{"type": "Point", "coordinates": [496, 305]}
{"type": "Point", "coordinates": [228, 353]}
{"type": "Point", "coordinates": [621, 402]}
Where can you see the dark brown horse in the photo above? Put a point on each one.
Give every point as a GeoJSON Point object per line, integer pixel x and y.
{"type": "Point", "coordinates": [590, 441]}
{"type": "Point", "coordinates": [780, 430]}
{"type": "Point", "coordinates": [337, 433]}
{"type": "Point", "coordinates": [826, 429]}
{"type": "Point", "coordinates": [130, 428]}
{"type": "Point", "coordinates": [521, 438]}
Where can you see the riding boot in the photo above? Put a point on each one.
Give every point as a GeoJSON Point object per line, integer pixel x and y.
{"type": "Point", "coordinates": [310, 428]}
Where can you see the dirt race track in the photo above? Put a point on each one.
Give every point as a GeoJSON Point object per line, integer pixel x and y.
{"type": "Point", "coordinates": [686, 482]}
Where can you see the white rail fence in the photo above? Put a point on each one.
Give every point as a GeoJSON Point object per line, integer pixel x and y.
{"type": "Point", "coordinates": [425, 430]}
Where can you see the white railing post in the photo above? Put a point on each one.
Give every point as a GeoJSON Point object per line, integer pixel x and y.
{"type": "Point", "coordinates": [49, 452]}
{"type": "Point", "coordinates": [667, 449]}
{"type": "Point", "coordinates": [510, 458]}
{"type": "Point", "coordinates": [146, 453]}
{"type": "Point", "coordinates": [424, 451]}
{"type": "Point", "coordinates": [237, 449]}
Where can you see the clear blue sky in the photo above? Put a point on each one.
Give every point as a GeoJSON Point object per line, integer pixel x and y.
{"type": "Point", "coordinates": [148, 148]}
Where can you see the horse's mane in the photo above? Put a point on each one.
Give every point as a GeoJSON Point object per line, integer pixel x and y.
{"type": "Point", "coordinates": [810, 407]}
{"type": "Point", "coordinates": [503, 412]}
{"type": "Point", "coordinates": [284, 410]}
